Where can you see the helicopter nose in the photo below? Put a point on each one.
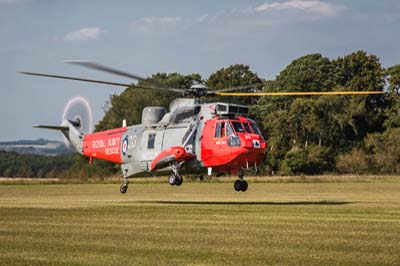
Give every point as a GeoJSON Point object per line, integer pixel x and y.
{"type": "Point", "coordinates": [254, 142]}
{"type": "Point", "coordinates": [248, 156]}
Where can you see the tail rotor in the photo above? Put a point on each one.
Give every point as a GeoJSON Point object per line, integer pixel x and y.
{"type": "Point", "coordinates": [77, 111]}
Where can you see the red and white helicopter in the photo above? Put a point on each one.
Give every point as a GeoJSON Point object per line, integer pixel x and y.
{"type": "Point", "coordinates": [194, 135]}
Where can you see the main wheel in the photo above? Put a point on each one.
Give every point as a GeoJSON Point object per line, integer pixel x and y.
{"type": "Point", "coordinates": [179, 181]}
{"type": "Point", "coordinates": [237, 185]}
{"type": "Point", "coordinates": [123, 188]}
{"type": "Point", "coordinates": [172, 179]}
{"type": "Point", "coordinates": [244, 185]}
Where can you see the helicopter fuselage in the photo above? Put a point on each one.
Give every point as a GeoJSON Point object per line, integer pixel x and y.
{"type": "Point", "coordinates": [214, 136]}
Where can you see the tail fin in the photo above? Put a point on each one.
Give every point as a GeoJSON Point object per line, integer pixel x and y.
{"type": "Point", "coordinates": [70, 131]}
{"type": "Point", "coordinates": [52, 127]}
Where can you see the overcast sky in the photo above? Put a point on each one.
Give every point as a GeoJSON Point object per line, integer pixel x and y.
{"type": "Point", "coordinates": [145, 37]}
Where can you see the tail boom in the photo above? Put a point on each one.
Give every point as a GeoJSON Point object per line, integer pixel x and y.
{"type": "Point", "coordinates": [106, 145]}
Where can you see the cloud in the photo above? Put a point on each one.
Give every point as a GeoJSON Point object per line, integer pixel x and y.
{"type": "Point", "coordinates": [268, 14]}
{"type": "Point", "coordinates": [235, 21]}
{"type": "Point", "coordinates": [202, 18]}
{"type": "Point", "coordinates": [315, 7]}
{"type": "Point", "coordinates": [84, 34]}
{"type": "Point", "coordinates": [148, 24]}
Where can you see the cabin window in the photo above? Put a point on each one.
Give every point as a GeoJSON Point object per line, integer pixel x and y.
{"type": "Point", "coordinates": [150, 142]}
{"type": "Point", "coordinates": [229, 130]}
{"type": "Point", "coordinates": [220, 130]}
{"type": "Point", "coordinates": [238, 126]}
{"type": "Point", "coordinates": [233, 139]}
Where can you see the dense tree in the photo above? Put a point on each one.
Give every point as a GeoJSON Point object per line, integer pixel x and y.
{"type": "Point", "coordinates": [361, 72]}
{"type": "Point", "coordinates": [310, 160]}
{"type": "Point", "coordinates": [308, 73]}
{"type": "Point", "coordinates": [393, 109]}
{"type": "Point", "coordinates": [332, 123]}
{"type": "Point", "coordinates": [290, 121]}
{"type": "Point", "coordinates": [380, 154]}
{"type": "Point", "coordinates": [234, 76]}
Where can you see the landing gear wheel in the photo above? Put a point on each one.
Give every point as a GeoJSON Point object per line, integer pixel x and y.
{"type": "Point", "coordinates": [238, 185]}
{"type": "Point", "coordinates": [244, 186]}
{"type": "Point", "coordinates": [179, 181]}
{"type": "Point", "coordinates": [123, 188]}
{"type": "Point", "coordinates": [172, 179]}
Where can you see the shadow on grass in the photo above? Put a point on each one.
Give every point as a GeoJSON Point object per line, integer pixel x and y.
{"type": "Point", "coordinates": [289, 203]}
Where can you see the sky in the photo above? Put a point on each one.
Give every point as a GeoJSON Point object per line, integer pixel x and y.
{"type": "Point", "coordinates": [184, 36]}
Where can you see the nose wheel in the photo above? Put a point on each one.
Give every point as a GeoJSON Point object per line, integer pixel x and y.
{"type": "Point", "coordinates": [124, 187]}
{"type": "Point", "coordinates": [175, 178]}
{"type": "Point", "coordinates": [240, 184]}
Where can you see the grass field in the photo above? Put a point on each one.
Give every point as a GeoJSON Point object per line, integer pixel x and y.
{"type": "Point", "coordinates": [324, 223]}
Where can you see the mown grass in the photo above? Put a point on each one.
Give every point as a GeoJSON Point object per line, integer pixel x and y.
{"type": "Point", "coordinates": [346, 223]}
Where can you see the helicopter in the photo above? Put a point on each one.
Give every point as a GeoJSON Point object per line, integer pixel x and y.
{"type": "Point", "coordinates": [193, 136]}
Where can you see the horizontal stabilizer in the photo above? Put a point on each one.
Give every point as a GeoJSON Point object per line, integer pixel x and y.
{"type": "Point", "coordinates": [52, 127]}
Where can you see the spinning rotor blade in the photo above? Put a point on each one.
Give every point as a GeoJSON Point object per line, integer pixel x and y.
{"type": "Point", "coordinates": [96, 66]}
{"type": "Point", "coordinates": [99, 67]}
{"type": "Point", "coordinates": [215, 92]}
{"type": "Point", "coordinates": [79, 79]}
{"type": "Point", "coordinates": [126, 85]}
{"type": "Point", "coordinates": [310, 93]}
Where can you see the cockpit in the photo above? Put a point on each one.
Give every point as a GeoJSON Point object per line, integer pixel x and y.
{"type": "Point", "coordinates": [233, 129]}
{"type": "Point", "coordinates": [229, 143]}
{"type": "Point", "coordinates": [225, 127]}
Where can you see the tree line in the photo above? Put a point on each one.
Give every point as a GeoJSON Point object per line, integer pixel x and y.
{"type": "Point", "coordinates": [306, 135]}
{"type": "Point", "coordinates": [65, 166]}
{"type": "Point", "coordinates": [13, 164]}
{"type": "Point", "coordinates": [355, 134]}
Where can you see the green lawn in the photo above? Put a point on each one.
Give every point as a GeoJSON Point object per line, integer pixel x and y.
{"type": "Point", "coordinates": [345, 223]}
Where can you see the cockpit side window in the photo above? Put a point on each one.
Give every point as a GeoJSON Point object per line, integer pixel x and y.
{"type": "Point", "coordinates": [255, 129]}
{"type": "Point", "coordinates": [229, 129]}
{"type": "Point", "coordinates": [238, 126]}
{"type": "Point", "coordinates": [247, 127]}
{"type": "Point", "coordinates": [220, 130]}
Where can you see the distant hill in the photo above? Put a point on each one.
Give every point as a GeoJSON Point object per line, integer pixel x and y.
{"type": "Point", "coordinates": [39, 146]}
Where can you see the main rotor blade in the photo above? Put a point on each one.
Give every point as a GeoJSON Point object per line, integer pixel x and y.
{"type": "Point", "coordinates": [107, 69]}
{"type": "Point", "coordinates": [79, 79]}
{"type": "Point", "coordinates": [126, 85]}
{"type": "Point", "coordinates": [309, 93]}
{"type": "Point", "coordinates": [233, 89]}
{"type": "Point", "coordinates": [96, 66]}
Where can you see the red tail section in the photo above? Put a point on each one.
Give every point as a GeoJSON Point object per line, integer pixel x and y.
{"type": "Point", "coordinates": [104, 145]}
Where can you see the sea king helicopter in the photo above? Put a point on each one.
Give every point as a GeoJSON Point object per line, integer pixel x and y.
{"type": "Point", "coordinates": [193, 135]}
